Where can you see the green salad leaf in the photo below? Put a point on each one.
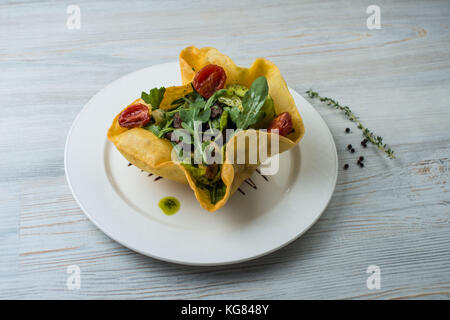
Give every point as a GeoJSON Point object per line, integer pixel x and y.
{"type": "Point", "coordinates": [154, 97]}
{"type": "Point", "coordinates": [192, 118]}
{"type": "Point", "coordinates": [267, 115]}
{"type": "Point", "coordinates": [214, 97]}
{"type": "Point", "coordinates": [160, 130]}
{"type": "Point", "coordinates": [156, 129]}
{"type": "Point", "coordinates": [252, 102]}
{"type": "Point", "coordinates": [195, 112]}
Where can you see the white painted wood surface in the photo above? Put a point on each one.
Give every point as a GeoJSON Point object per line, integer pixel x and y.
{"type": "Point", "coordinates": [393, 213]}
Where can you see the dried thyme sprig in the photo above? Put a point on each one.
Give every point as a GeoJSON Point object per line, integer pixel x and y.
{"type": "Point", "coordinates": [376, 140]}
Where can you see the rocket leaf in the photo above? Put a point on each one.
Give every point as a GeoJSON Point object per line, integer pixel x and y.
{"type": "Point", "coordinates": [252, 102]}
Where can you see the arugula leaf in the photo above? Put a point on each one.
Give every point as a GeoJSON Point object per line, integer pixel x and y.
{"type": "Point", "coordinates": [192, 118]}
{"type": "Point", "coordinates": [214, 97]}
{"type": "Point", "coordinates": [252, 102]}
{"type": "Point", "coordinates": [186, 127]}
{"type": "Point", "coordinates": [195, 112]}
{"type": "Point", "coordinates": [154, 97]}
{"type": "Point", "coordinates": [154, 128]}
{"type": "Point", "coordinates": [267, 115]}
{"type": "Point", "coordinates": [158, 130]}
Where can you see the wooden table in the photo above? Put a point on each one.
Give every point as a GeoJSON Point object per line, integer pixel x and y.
{"type": "Point", "coordinates": [393, 213]}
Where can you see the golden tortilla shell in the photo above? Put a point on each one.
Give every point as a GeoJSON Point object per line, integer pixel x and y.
{"type": "Point", "coordinates": [173, 93]}
{"type": "Point", "coordinates": [149, 153]}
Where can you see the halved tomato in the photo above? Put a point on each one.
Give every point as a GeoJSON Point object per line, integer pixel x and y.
{"type": "Point", "coordinates": [209, 79]}
{"type": "Point", "coordinates": [134, 116]}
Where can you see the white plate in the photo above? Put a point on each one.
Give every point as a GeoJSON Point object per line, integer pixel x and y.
{"type": "Point", "coordinates": [123, 201]}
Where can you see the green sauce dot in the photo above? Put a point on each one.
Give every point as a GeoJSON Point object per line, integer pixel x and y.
{"type": "Point", "coordinates": [169, 205]}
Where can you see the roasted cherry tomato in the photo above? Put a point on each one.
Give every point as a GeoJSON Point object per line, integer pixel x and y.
{"type": "Point", "coordinates": [283, 123]}
{"type": "Point", "coordinates": [134, 116]}
{"type": "Point", "coordinates": [209, 79]}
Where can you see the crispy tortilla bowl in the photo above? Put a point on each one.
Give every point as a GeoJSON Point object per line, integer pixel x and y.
{"type": "Point", "coordinates": [146, 151]}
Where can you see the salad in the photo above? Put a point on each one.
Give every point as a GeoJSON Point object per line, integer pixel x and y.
{"type": "Point", "coordinates": [185, 133]}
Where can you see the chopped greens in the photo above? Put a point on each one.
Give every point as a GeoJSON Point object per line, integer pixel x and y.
{"type": "Point", "coordinates": [215, 186]}
{"type": "Point", "coordinates": [236, 107]}
{"type": "Point", "coordinates": [214, 97]}
{"type": "Point", "coordinates": [252, 102]}
{"type": "Point", "coordinates": [192, 118]}
{"type": "Point", "coordinates": [160, 131]}
{"type": "Point", "coordinates": [268, 113]}
{"type": "Point", "coordinates": [195, 112]}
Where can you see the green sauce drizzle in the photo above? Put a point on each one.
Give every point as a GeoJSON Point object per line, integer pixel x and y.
{"type": "Point", "coordinates": [169, 205]}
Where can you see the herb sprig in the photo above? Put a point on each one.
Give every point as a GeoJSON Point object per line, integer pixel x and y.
{"type": "Point", "coordinates": [370, 136]}
{"type": "Point", "coordinates": [154, 97]}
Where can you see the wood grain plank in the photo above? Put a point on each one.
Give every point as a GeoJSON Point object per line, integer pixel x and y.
{"type": "Point", "coordinates": [394, 214]}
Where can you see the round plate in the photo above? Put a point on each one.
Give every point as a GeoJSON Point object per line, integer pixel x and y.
{"type": "Point", "coordinates": [122, 200]}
